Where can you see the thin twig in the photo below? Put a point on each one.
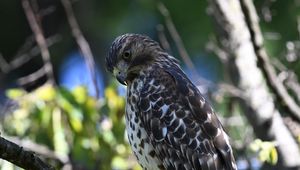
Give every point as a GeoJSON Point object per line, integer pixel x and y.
{"type": "Point", "coordinates": [32, 77]}
{"type": "Point", "coordinates": [293, 84]}
{"type": "Point", "coordinates": [25, 56]}
{"type": "Point", "coordinates": [26, 45]}
{"type": "Point", "coordinates": [259, 107]}
{"type": "Point", "coordinates": [293, 126]}
{"type": "Point", "coordinates": [179, 44]}
{"type": "Point", "coordinates": [162, 38]}
{"type": "Point", "coordinates": [264, 62]}
{"type": "Point", "coordinates": [289, 78]}
{"type": "Point", "coordinates": [34, 51]}
{"type": "Point", "coordinates": [224, 88]}
{"type": "Point", "coordinates": [40, 39]}
{"type": "Point", "coordinates": [17, 155]}
{"type": "Point", "coordinates": [175, 35]}
{"type": "Point", "coordinates": [4, 66]}
{"type": "Point", "coordinates": [278, 65]}
{"type": "Point", "coordinates": [213, 47]}
{"type": "Point", "coordinates": [45, 12]}
{"type": "Point", "coordinates": [232, 121]}
{"type": "Point", "coordinates": [82, 43]}
{"type": "Point", "coordinates": [35, 9]}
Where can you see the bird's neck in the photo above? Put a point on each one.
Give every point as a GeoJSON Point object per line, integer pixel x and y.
{"type": "Point", "coordinates": [167, 63]}
{"type": "Point", "coordinates": [164, 62]}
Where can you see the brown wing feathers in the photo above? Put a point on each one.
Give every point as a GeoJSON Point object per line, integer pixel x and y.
{"type": "Point", "coordinates": [177, 129]}
{"type": "Point", "coordinates": [182, 127]}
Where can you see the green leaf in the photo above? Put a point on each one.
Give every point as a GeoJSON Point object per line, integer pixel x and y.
{"type": "Point", "coordinates": [108, 137]}
{"type": "Point", "coordinates": [46, 92]}
{"type": "Point", "coordinates": [256, 145]}
{"type": "Point", "coordinates": [75, 118]}
{"type": "Point", "coordinates": [59, 139]}
{"type": "Point", "coordinates": [266, 151]}
{"type": "Point", "coordinates": [15, 93]}
{"type": "Point", "coordinates": [45, 116]}
{"type": "Point", "coordinates": [67, 95]}
{"type": "Point", "coordinates": [113, 100]}
{"type": "Point", "coordinates": [273, 156]}
{"type": "Point", "coordinates": [80, 94]}
{"type": "Point", "coordinates": [119, 163]}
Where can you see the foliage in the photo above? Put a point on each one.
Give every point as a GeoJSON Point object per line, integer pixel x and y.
{"type": "Point", "coordinates": [244, 142]}
{"type": "Point", "coordinates": [74, 124]}
{"type": "Point", "coordinates": [266, 151]}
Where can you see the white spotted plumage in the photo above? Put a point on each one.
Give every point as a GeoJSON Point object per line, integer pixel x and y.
{"type": "Point", "coordinates": [168, 122]}
{"type": "Point", "coordinates": [137, 136]}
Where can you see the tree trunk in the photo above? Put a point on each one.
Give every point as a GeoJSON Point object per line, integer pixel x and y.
{"type": "Point", "coordinates": [237, 39]}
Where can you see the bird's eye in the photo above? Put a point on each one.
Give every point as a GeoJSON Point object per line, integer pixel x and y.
{"type": "Point", "coordinates": [126, 55]}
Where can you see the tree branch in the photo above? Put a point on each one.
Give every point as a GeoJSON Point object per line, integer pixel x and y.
{"type": "Point", "coordinates": [32, 77]}
{"type": "Point", "coordinates": [4, 66]}
{"type": "Point", "coordinates": [25, 55]}
{"type": "Point", "coordinates": [276, 86]}
{"type": "Point", "coordinates": [179, 44]}
{"type": "Point", "coordinates": [258, 103]}
{"type": "Point", "coordinates": [40, 149]}
{"type": "Point", "coordinates": [82, 43]}
{"type": "Point", "coordinates": [162, 38]}
{"type": "Point", "coordinates": [40, 39]}
{"type": "Point", "coordinates": [18, 156]}
{"type": "Point", "coordinates": [175, 35]}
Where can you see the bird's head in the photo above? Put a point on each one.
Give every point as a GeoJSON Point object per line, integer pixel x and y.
{"type": "Point", "coordinates": [129, 54]}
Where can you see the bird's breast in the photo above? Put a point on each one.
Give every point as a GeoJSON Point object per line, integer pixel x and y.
{"type": "Point", "coordinates": [137, 136]}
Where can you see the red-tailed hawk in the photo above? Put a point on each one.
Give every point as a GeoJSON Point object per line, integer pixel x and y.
{"type": "Point", "coordinates": [169, 124]}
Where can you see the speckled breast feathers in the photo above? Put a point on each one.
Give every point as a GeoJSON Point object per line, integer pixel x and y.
{"type": "Point", "coordinates": [169, 123]}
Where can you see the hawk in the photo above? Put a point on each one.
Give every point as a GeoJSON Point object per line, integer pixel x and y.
{"type": "Point", "coordinates": [168, 122]}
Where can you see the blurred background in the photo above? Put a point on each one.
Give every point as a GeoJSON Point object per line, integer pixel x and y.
{"type": "Point", "coordinates": [48, 100]}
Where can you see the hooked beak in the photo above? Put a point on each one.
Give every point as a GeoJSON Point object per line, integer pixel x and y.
{"type": "Point", "coordinates": [121, 77]}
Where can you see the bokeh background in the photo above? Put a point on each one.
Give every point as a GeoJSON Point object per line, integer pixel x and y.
{"type": "Point", "coordinates": [71, 127]}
